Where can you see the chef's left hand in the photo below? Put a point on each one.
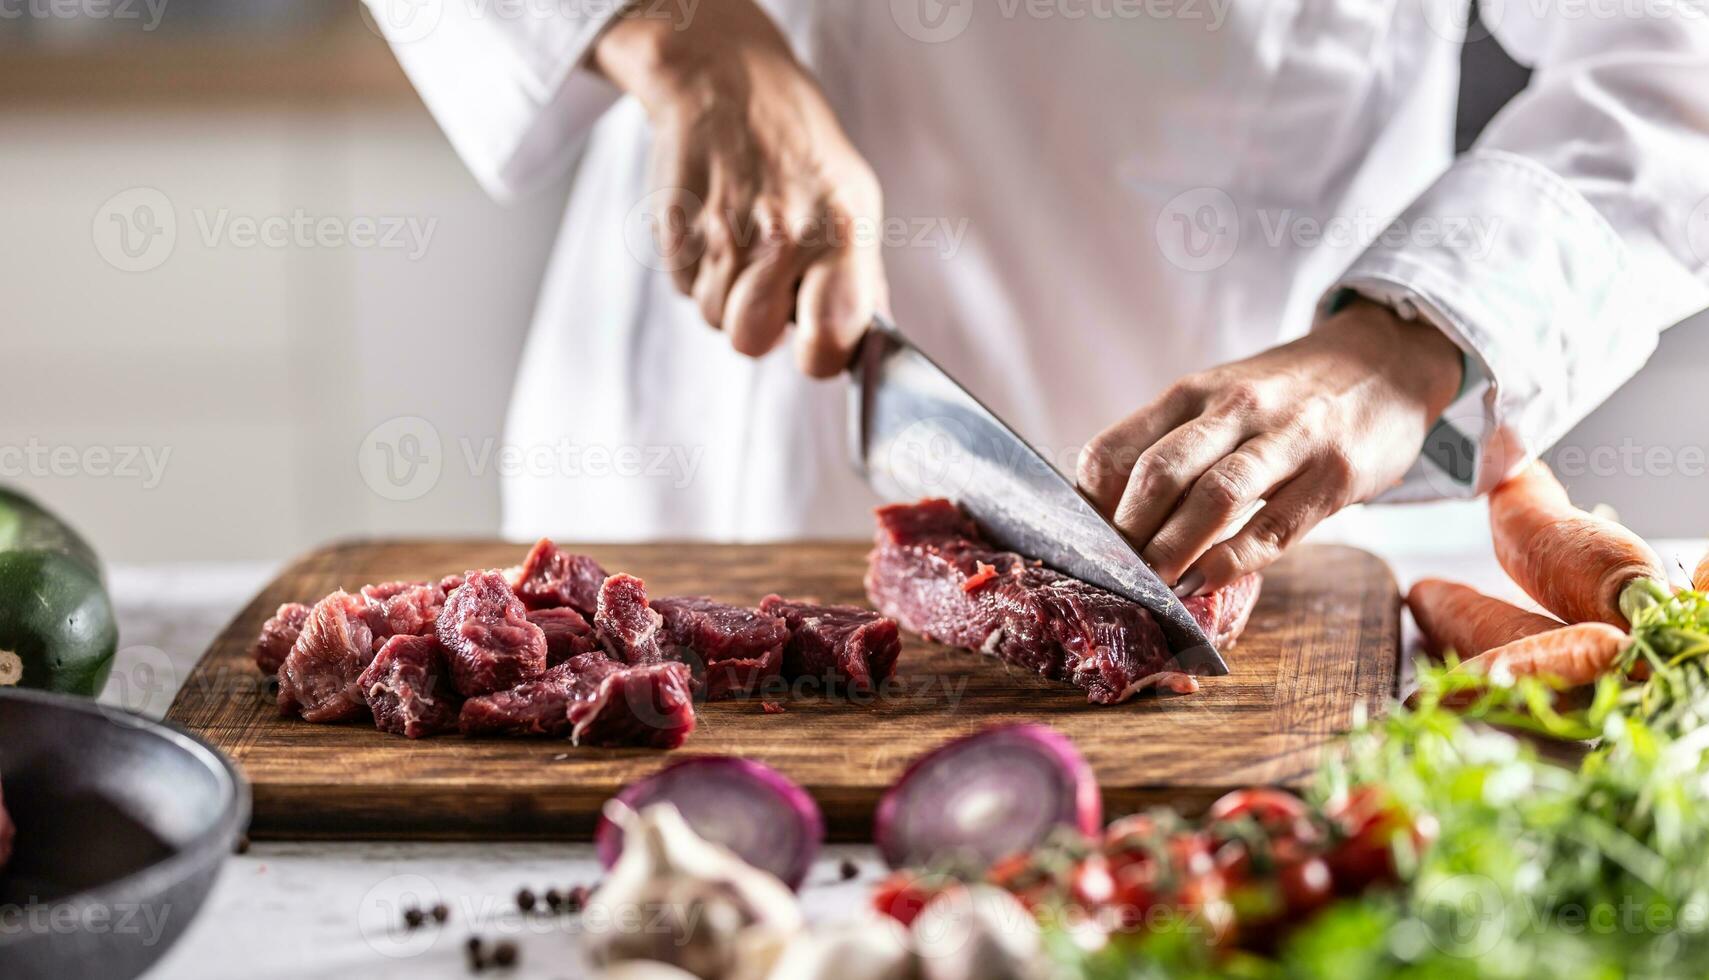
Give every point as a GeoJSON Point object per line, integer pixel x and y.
{"type": "Point", "coordinates": [1325, 421]}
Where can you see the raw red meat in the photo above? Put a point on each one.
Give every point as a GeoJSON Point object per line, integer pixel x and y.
{"type": "Point", "coordinates": [836, 642]}
{"type": "Point", "coordinates": [408, 688]}
{"type": "Point", "coordinates": [595, 701]}
{"type": "Point", "coordinates": [551, 577]}
{"type": "Point", "coordinates": [278, 636]}
{"type": "Point", "coordinates": [567, 634]}
{"type": "Point", "coordinates": [731, 650]}
{"type": "Point", "coordinates": [319, 678]}
{"type": "Point", "coordinates": [926, 555]}
{"type": "Point", "coordinates": [628, 626]}
{"type": "Point", "coordinates": [450, 584]}
{"type": "Point", "coordinates": [492, 644]}
{"type": "Point", "coordinates": [403, 608]}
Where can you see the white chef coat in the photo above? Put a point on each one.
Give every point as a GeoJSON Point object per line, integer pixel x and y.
{"type": "Point", "coordinates": [1089, 199]}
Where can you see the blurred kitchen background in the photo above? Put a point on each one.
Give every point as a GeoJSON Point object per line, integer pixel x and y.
{"type": "Point", "coordinates": [140, 318]}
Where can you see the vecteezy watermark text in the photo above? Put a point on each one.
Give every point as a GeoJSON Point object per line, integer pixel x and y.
{"type": "Point", "coordinates": [39, 460]}
{"type": "Point", "coordinates": [403, 459]}
{"type": "Point", "coordinates": [148, 12]}
{"type": "Point", "coordinates": [136, 230]}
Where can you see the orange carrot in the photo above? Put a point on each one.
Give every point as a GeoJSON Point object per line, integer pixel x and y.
{"type": "Point", "coordinates": [1700, 575]}
{"type": "Point", "coordinates": [1574, 564]}
{"type": "Point", "coordinates": [1575, 655]}
{"type": "Point", "coordinates": [1460, 618]}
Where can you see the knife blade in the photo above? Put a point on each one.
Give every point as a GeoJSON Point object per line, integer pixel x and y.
{"type": "Point", "coordinates": [917, 432]}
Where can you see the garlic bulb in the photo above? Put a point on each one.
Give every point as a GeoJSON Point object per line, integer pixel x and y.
{"type": "Point", "coordinates": [978, 933]}
{"type": "Point", "coordinates": [672, 897]}
{"type": "Point", "coordinates": [870, 947]}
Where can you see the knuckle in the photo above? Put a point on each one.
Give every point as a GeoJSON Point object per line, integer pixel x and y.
{"type": "Point", "coordinates": [1097, 466]}
{"type": "Point", "coordinates": [1268, 533]}
{"type": "Point", "coordinates": [1242, 397]}
{"type": "Point", "coordinates": [1338, 468]}
{"type": "Point", "coordinates": [1223, 490]}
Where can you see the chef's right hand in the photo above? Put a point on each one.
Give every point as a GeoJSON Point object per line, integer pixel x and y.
{"type": "Point", "coordinates": [772, 214]}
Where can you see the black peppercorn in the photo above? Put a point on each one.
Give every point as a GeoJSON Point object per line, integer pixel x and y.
{"type": "Point", "coordinates": [504, 954]}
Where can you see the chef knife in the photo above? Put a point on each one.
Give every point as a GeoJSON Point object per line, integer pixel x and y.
{"type": "Point", "coordinates": [916, 432]}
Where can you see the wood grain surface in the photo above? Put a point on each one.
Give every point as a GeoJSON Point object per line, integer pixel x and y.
{"type": "Point", "coordinates": [1324, 638]}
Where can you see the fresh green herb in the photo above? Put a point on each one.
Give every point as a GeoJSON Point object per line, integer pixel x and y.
{"type": "Point", "coordinates": [1572, 831]}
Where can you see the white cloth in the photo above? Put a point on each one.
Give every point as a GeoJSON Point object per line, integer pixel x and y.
{"type": "Point", "coordinates": [1089, 199]}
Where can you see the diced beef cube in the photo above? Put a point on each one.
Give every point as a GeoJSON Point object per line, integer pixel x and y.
{"type": "Point", "coordinates": [593, 700]}
{"type": "Point", "coordinates": [650, 706]}
{"type": "Point", "coordinates": [408, 688]}
{"type": "Point", "coordinates": [627, 625]}
{"type": "Point", "coordinates": [319, 678]}
{"type": "Point", "coordinates": [933, 572]}
{"type": "Point", "coordinates": [844, 642]}
{"type": "Point", "coordinates": [567, 634]}
{"type": "Point", "coordinates": [486, 631]}
{"type": "Point", "coordinates": [551, 577]}
{"type": "Point", "coordinates": [403, 608]}
{"type": "Point", "coordinates": [278, 636]}
{"type": "Point", "coordinates": [732, 650]}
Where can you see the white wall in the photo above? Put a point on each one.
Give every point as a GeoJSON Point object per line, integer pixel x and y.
{"type": "Point", "coordinates": [253, 370]}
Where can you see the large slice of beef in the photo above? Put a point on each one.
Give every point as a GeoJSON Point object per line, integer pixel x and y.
{"type": "Point", "coordinates": [408, 688]}
{"type": "Point", "coordinates": [567, 634]}
{"type": "Point", "coordinates": [933, 572]}
{"type": "Point", "coordinates": [278, 635]}
{"type": "Point", "coordinates": [846, 643]}
{"type": "Point", "coordinates": [628, 625]}
{"type": "Point", "coordinates": [731, 649]}
{"type": "Point", "coordinates": [551, 577]}
{"type": "Point", "coordinates": [492, 644]}
{"type": "Point", "coordinates": [319, 677]}
{"type": "Point", "coordinates": [593, 700]}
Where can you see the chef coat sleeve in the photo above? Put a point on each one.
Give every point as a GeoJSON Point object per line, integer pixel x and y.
{"type": "Point", "coordinates": [507, 81]}
{"type": "Point", "coordinates": [1558, 248]}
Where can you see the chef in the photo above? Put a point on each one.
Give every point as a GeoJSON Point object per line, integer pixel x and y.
{"type": "Point", "coordinates": [1216, 258]}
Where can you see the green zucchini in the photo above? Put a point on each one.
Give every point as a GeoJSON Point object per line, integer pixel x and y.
{"type": "Point", "coordinates": [57, 631]}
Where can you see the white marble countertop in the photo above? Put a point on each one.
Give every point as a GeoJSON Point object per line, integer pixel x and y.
{"type": "Point", "coordinates": [294, 911]}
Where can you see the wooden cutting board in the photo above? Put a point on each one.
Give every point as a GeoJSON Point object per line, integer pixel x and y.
{"type": "Point", "coordinates": [1324, 638]}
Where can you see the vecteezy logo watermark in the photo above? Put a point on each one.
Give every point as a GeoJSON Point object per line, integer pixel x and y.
{"type": "Point", "coordinates": [661, 231]}
{"type": "Point", "coordinates": [136, 230]}
{"type": "Point", "coordinates": [402, 458]}
{"type": "Point", "coordinates": [658, 231]}
{"type": "Point", "coordinates": [380, 916]}
{"type": "Point", "coordinates": [1697, 230]}
{"type": "Point", "coordinates": [41, 461]}
{"type": "Point", "coordinates": [1199, 230]}
{"type": "Point", "coordinates": [937, 21]}
{"type": "Point", "coordinates": [408, 21]}
{"type": "Point", "coordinates": [932, 21]}
{"type": "Point", "coordinates": [145, 920]}
{"type": "Point", "coordinates": [404, 21]}
{"type": "Point", "coordinates": [142, 682]}
{"type": "Point", "coordinates": [149, 12]}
